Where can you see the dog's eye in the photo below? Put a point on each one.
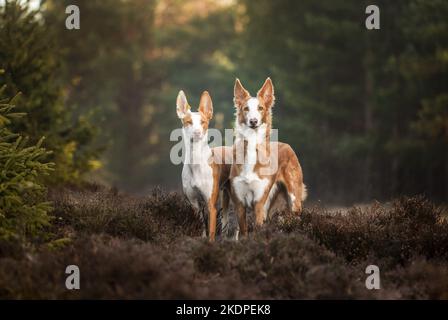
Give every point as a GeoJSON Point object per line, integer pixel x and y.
{"type": "Point", "coordinates": [246, 109]}
{"type": "Point", "coordinates": [202, 122]}
{"type": "Point", "coordinates": [188, 123]}
{"type": "Point", "coordinates": [260, 108]}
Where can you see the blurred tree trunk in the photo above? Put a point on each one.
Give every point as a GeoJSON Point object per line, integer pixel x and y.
{"type": "Point", "coordinates": [130, 102]}
{"type": "Point", "coordinates": [393, 179]}
{"type": "Point", "coordinates": [368, 117]}
{"type": "Point", "coordinates": [446, 176]}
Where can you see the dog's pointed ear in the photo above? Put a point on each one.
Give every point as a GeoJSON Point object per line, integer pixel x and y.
{"type": "Point", "coordinates": [240, 95]}
{"type": "Point", "coordinates": [266, 93]}
{"type": "Point", "coordinates": [206, 105]}
{"type": "Point", "coordinates": [182, 106]}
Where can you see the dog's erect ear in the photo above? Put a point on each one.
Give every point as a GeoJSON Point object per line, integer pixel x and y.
{"type": "Point", "coordinates": [206, 105]}
{"type": "Point", "coordinates": [182, 106]}
{"type": "Point", "coordinates": [240, 95]}
{"type": "Point", "coordinates": [266, 93]}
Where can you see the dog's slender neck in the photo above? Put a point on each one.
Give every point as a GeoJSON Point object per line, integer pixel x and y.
{"type": "Point", "coordinates": [197, 151]}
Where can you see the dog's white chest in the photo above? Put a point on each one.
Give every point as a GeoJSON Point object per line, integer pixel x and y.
{"type": "Point", "coordinates": [197, 181]}
{"type": "Point", "coordinates": [248, 186]}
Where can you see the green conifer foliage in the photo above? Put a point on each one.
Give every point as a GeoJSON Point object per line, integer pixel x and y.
{"type": "Point", "coordinates": [31, 59]}
{"type": "Point", "coordinates": [23, 209]}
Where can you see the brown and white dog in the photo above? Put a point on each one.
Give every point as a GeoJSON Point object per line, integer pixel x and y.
{"type": "Point", "coordinates": [268, 168]}
{"type": "Point", "coordinates": [205, 169]}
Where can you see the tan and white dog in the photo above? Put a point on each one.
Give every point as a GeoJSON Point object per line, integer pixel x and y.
{"type": "Point", "coordinates": [268, 168]}
{"type": "Point", "coordinates": [205, 170]}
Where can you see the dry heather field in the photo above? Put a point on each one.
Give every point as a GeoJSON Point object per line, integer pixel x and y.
{"type": "Point", "coordinates": [150, 248]}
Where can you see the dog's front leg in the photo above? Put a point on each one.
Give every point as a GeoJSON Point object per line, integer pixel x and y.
{"type": "Point", "coordinates": [260, 214]}
{"type": "Point", "coordinates": [212, 221]}
{"type": "Point", "coordinates": [212, 212]}
{"type": "Point", "coordinates": [241, 213]}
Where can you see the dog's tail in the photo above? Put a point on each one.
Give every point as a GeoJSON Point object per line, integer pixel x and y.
{"type": "Point", "coordinates": [304, 192]}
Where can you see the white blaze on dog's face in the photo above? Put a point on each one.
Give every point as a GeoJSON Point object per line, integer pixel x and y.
{"type": "Point", "coordinates": [195, 124]}
{"type": "Point", "coordinates": [254, 112]}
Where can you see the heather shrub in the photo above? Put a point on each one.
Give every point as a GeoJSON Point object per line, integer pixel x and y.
{"type": "Point", "coordinates": [291, 266]}
{"type": "Point", "coordinates": [408, 227]}
{"type": "Point", "coordinates": [162, 216]}
{"type": "Point", "coordinates": [151, 248]}
{"type": "Point", "coordinates": [116, 268]}
{"type": "Point", "coordinates": [421, 279]}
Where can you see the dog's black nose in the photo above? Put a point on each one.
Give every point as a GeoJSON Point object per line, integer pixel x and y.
{"type": "Point", "coordinates": [253, 122]}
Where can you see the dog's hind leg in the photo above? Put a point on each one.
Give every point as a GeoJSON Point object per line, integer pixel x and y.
{"type": "Point", "coordinates": [295, 188]}
{"type": "Point", "coordinates": [225, 224]}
